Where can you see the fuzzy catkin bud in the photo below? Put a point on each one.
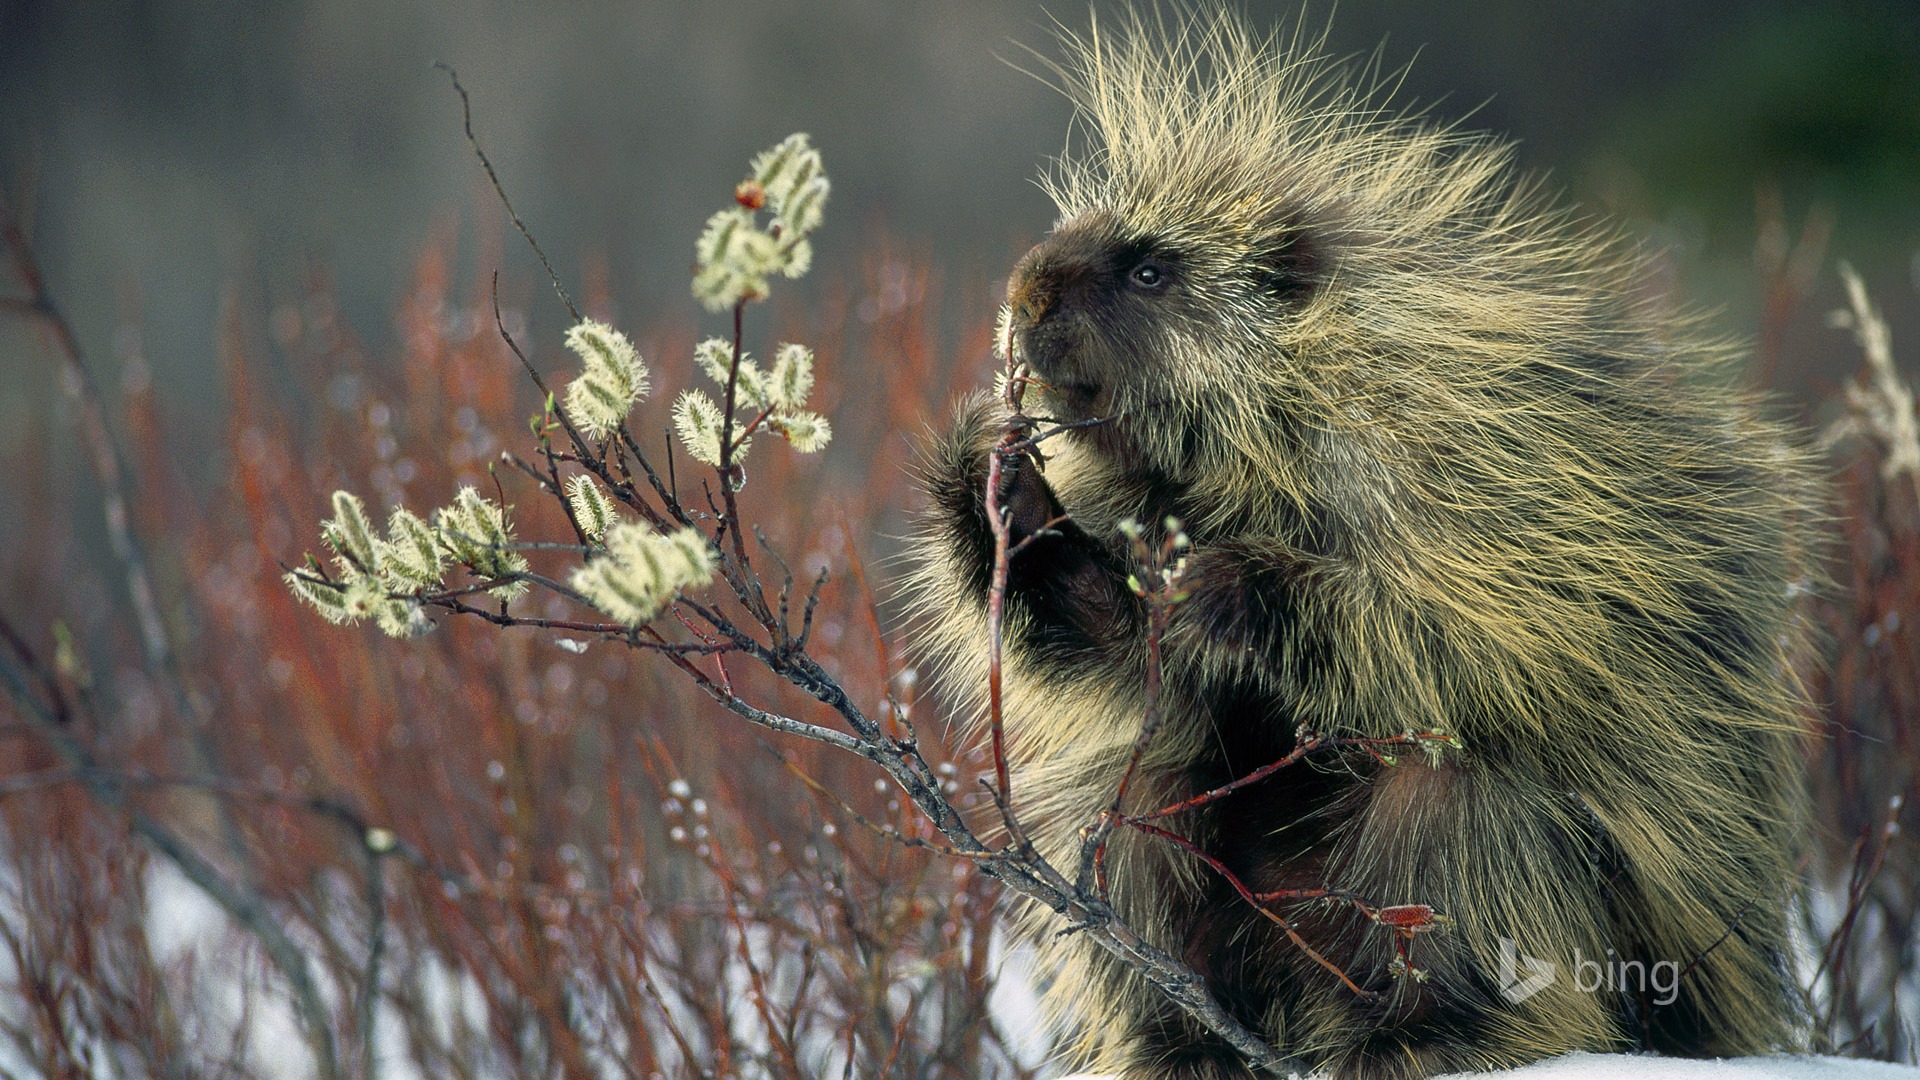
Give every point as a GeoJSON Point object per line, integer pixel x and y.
{"type": "Point", "coordinates": [362, 599]}
{"type": "Point", "coordinates": [721, 236]}
{"type": "Point", "coordinates": [796, 255]}
{"type": "Point", "coordinates": [476, 531]}
{"type": "Point", "coordinates": [715, 357]}
{"type": "Point", "coordinates": [412, 556]}
{"type": "Point", "coordinates": [372, 567]}
{"type": "Point", "coordinates": [807, 431]}
{"type": "Point", "coordinates": [326, 598]}
{"type": "Point", "coordinates": [735, 254]}
{"type": "Point", "coordinates": [803, 211]}
{"type": "Point", "coordinates": [778, 394]}
{"type": "Point", "coordinates": [592, 508]}
{"type": "Point", "coordinates": [791, 381]}
{"type": "Point", "coordinates": [401, 619]}
{"type": "Point", "coordinates": [698, 421]}
{"type": "Point", "coordinates": [643, 570]}
{"type": "Point", "coordinates": [733, 257]}
{"type": "Point", "coordinates": [349, 534]}
{"type": "Point", "coordinates": [612, 380]}
{"type": "Point", "coordinates": [785, 167]}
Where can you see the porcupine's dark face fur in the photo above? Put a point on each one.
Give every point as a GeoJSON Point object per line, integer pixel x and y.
{"type": "Point", "coordinates": [1106, 315]}
{"type": "Point", "coordinates": [1084, 306]}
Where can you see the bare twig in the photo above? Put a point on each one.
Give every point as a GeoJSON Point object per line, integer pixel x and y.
{"type": "Point", "coordinates": [368, 1008]}
{"type": "Point", "coordinates": [1160, 600]}
{"type": "Point", "coordinates": [102, 452]}
{"type": "Point", "coordinates": [1252, 900]}
{"type": "Point", "coordinates": [243, 905]}
{"type": "Point", "coordinates": [466, 115]}
{"type": "Point", "coordinates": [997, 519]}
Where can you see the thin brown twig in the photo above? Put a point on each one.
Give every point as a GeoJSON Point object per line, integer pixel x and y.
{"type": "Point", "coordinates": [1307, 743]}
{"type": "Point", "coordinates": [747, 587]}
{"type": "Point", "coordinates": [761, 997]}
{"type": "Point", "coordinates": [129, 548]}
{"type": "Point", "coordinates": [466, 116]}
{"type": "Point", "coordinates": [997, 520]}
{"type": "Point", "coordinates": [884, 832]}
{"type": "Point", "coordinates": [1160, 600]}
{"type": "Point", "coordinates": [1251, 898]}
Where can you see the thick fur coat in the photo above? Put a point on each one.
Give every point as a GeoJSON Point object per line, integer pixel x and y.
{"type": "Point", "coordinates": [1445, 464]}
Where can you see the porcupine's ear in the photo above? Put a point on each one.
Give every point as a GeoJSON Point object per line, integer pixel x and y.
{"type": "Point", "coordinates": [1292, 262]}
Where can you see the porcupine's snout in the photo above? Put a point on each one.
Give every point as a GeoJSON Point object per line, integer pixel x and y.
{"type": "Point", "coordinates": [1050, 295]}
{"type": "Point", "coordinates": [1031, 294]}
{"type": "Point", "coordinates": [1034, 292]}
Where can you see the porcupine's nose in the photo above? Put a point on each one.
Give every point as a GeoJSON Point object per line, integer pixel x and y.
{"type": "Point", "coordinates": [1033, 290]}
{"type": "Point", "coordinates": [1028, 309]}
{"type": "Point", "coordinates": [1037, 283]}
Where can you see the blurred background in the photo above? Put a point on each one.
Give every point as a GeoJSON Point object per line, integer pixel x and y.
{"type": "Point", "coordinates": [166, 151]}
{"type": "Point", "coordinates": [274, 246]}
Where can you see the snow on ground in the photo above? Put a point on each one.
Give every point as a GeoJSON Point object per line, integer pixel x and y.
{"type": "Point", "coordinates": [1647, 1067]}
{"type": "Point", "coordinates": [182, 921]}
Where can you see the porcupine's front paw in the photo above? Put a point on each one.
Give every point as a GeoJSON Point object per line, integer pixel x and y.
{"type": "Point", "coordinates": [957, 459]}
{"type": "Point", "coordinates": [957, 482]}
{"type": "Point", "coordinates": [1027, 501]}
{"type": "Point", "coordinates": [1242, 607]}
{"type": "Point", "coordinates": [955, 477]}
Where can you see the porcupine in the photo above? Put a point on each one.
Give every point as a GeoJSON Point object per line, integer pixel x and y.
{"type": "Point", "coordinates": [1445, 465]}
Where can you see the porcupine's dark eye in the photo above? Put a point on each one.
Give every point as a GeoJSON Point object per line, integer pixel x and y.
{"type": "Point", "coordinates": [1148, 275]}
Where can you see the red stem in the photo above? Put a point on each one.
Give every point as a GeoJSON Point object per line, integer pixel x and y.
{"type": "Point", "coordinates": [996, 613]}
{"type": "Point", "coordinates": [1248, 895]}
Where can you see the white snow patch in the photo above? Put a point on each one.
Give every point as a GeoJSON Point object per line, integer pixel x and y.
{"type": "Point", "coordinates": [180, 917]}
{"type": "Point", "coordinates": [1014, 1004]}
